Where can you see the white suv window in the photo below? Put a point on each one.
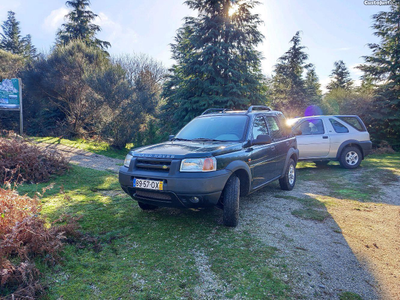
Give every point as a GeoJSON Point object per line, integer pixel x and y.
{"type": "Point", "coordinates": [353, 121]}
{"type": "Point", "coordinates": [312, 126]}
{"type": "Point", "coordinates": [338, 127]}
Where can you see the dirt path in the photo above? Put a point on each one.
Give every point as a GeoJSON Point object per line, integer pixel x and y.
{"type": "Point", "coordinates": [86, 159]}
{"type": "Point", "coordinates": [355, 249]}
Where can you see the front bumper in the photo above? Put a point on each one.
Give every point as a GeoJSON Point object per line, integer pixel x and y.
{"type": "Point", "coordinates": [179, 189]}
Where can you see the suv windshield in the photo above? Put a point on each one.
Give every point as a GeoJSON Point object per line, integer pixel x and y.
{"type": "Point", "coordinates": [221, 128]}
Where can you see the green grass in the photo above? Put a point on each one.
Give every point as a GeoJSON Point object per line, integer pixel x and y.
{"type": "Point", "coordinates": [361, 184]}
{"type": "Point", "coordinates": [312, 209]}
{"type": "Point", "coordinates": [148, 255]}
{"type": "Point", "coordinates": [349, 296]}
{"type": "Point", "coordinates": [101, 148]}
{"type": "Point", "coordinates": [157, 255]}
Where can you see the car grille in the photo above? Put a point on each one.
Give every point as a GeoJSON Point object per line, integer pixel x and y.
{"type": "Point", "coordinates": [161, 165]}
{"type": "Point", "coordinates": [152, 195]}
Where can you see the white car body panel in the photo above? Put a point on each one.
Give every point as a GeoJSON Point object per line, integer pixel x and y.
{"type": "Point", "coordinates": [325, 145]}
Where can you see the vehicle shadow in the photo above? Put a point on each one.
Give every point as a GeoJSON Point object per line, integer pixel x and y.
{"type": "Point", "coordinates": [338, 229]}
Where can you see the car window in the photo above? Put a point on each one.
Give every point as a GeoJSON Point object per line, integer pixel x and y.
{"type": "Point", "coordinates": [259, 127]}
{"type": "Point", "coordinates": [311, 126]}
{"type": "Point", "coordinates": [354, 122]}
{"type": "Point", "coordinates": [286, 129]}
{"type": "Point", "coordinates": [226, 128]}
{"type": "Point", "coordinates": [273, 127]}
{"type": "Point", "coordinates": [338, 127]}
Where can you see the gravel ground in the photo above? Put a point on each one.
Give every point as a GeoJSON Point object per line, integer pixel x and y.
{"type": "Point", "coordinates": [356, 249]}
{"type": "Point", "coordinates": [320, 262]}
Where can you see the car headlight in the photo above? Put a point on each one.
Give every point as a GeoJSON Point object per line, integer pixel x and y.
{"type": "Point", "coordinates": [127, 160]}
{"type": "Point", "coordinates": [207, 164]}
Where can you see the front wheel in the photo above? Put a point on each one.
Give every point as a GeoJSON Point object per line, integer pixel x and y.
{"type": "Point", "coordinates": [350, 158]}
{"type": "Point", "coordinates": [145, 206]}
{"type": "Point", "coordinates": [231, 201]}
{"type": "Point", "coordinates": [288, 181]}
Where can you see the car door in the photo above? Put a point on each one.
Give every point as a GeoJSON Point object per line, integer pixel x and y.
{"type": "Point", "coordinates": [313, 140]}
{"type": "Point", "coordinates": [279, 138]}
{"type": "Point", "coordinates": [262, 157]}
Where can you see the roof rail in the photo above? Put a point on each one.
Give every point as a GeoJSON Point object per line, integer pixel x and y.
{"type": "Point", "coordinates": [263, 107]}
{"type": "Point", "coordinates": [217, 110]}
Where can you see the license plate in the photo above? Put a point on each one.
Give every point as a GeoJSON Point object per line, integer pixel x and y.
{"type": "Point", "coordinates": [148, 184]}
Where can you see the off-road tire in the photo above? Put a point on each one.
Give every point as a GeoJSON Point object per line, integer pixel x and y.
{"type": "Point", "coordinates": [231, 195]}
{"type": "Point", "coordinates": [145, 206]}
{"type": "Point", "coordinates": [350, 158]}
{"type": "Point", "coordinates": [288, 181]}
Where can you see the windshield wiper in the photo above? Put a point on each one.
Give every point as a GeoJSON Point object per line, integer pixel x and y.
{"type": "Point", "coordinates": [179, 139]}
{"type": "Point", "coordinates": [207, 140]}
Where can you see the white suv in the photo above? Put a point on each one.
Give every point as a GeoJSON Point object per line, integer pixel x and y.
{"type": "Point", "coordinates": [325, 138]}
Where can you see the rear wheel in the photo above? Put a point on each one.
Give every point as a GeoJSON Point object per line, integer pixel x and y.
{"type": "Point", "coordinates": [288, 181]}
{"type": "Point", "coordinates": [145, 206]}
{"type": "Point", "coordinates": [231, 201]}
{"type": "Point", "coordinates": [350, 158]}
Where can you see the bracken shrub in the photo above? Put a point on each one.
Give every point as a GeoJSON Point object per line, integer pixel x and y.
{"type": "Point", "coordinates": [22, 161]}
{"type": "Point", "coordinates": [23, 237]}
{"type": "Point", "coordinates": [384, 148]}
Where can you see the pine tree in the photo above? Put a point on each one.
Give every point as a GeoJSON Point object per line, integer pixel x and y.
{"type": "Point", "coordinates": [80, 26]}
{"type": "Point", "coordinates": [216, 61]}
{"type": "Point", "coordinates": [312, 86]}
{"type": "Point", "coordinates": [290, 93]}
{"type": "Point", "coordinates": [340, 77]}
{"type": "Point", "coordinates": [12, 41]}
{"type": "Point", "coordinates": [382, 68]}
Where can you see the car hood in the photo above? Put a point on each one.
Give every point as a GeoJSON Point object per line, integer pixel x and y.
{"type": "Point", "coordinates": [183, 149]}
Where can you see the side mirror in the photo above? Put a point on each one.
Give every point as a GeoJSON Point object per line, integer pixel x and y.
{"type": "Point", "coordinates": [171, 137]}
{"type": "Point", "coordinates": [262, 139]}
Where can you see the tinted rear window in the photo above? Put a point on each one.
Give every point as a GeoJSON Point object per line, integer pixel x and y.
{"type": "Point", "coordinates": [354, 122]}
{"type": "Point", "coordinates": [339, 128]}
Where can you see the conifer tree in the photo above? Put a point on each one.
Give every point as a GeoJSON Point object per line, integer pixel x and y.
{"type": "Point", "coordinates": [382, 68]}
{"type": "Point", "coordinates": [312, 86]}
{"type": "Point", "coordinates": [217, 64]}
{"type": "Point", "coordinates": [12, 41]}
{"type": "Point", "coordinates": [340, 77]}
{"type": "Point", "coordinates": [290, 93]}
{"type": "Point", "coordinates": [80, 26]}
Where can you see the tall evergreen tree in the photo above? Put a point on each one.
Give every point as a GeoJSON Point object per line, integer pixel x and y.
{"type": "Point", "coordinates": [290, 93]}
{"type": "Point", "coordinates": [382, 68]}
{"type": "Point", "coordinates": [312, 86]}
{"type": "Point", "coordinates": [80, 26]}
{"type": "Point", "coordinates": [216, 61]}
{"type": "Point", "coordinates": [340, 77]}
{"type": "Point", "coordinates": [12, 41]}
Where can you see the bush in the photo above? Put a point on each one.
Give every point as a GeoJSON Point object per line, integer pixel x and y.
{"type": "Point", "coordinates": [22, 161]}
{"type": "Point", "coordinates": [23, 237]}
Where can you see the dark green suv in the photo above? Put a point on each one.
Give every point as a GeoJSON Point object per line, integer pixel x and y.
{"type": "Point", "coordinates": [213, 160]}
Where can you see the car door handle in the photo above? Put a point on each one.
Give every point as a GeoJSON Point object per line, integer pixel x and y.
{"type": "Point", "coordinates": [272, 148]}
{"type": "Point", "coordinates": [325, 137]}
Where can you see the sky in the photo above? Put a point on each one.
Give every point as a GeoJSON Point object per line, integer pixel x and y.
{"type": "Point", "coordinates": [331, 30]}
